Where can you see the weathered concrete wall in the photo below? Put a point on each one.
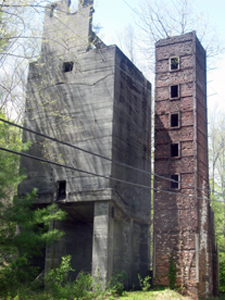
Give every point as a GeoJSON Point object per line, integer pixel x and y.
{"type": "Point", "coordinates": [75, 107]}
{"type": "Point", "coordinates": [95, 99]}
{"type": "Point", "coordinates": [64, 32]}
{"type": "Point", "coordinates": [179, 218]}
{"type": "Point", "coordinates": [131, 137]}
{"type": "Point", "coordinates": [131, 246]}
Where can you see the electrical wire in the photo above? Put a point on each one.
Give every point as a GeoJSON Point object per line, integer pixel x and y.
{"type": "Point", "coordinates": [154, 174]}
{"type": "Point", "coordinates": [106, 158]}
{"type": "Point", "coordinates": [89, 152]}
{"type": "Point", "coordinates": [130, 7]}
{"type": "Point", "coordinates": [103, 176]}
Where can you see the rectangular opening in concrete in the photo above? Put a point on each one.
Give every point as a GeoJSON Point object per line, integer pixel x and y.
{"type": "Point", "coordinates": [61, 190]}
{"type": "Point", "coordinates": [174, 91]}
{"type": "Point", "coordinates": [68, 66]}
{"type": "Point", "coordinates": [174, 120]}
{"type": "Point", "coordinates": [174, 150]}
{"type": "Point", "coordinates": [112, 212]}
{"type": "Point", "coordinates": [174, 63]}
{"type": "Point", "coordinates": [77, 240]}
{"type": "Point", "coordinates": [175, 183]}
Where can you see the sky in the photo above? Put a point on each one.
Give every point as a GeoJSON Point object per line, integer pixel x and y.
{"type": "Point", "coordinates": [115, 15]}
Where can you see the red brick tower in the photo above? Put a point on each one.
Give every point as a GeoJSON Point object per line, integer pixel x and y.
{"type": "Point", "coordinates": [182, 214]}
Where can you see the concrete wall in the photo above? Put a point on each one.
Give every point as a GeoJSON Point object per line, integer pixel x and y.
{"type": "Point", "coordinates": [132, 137]}
{"type": "Point", "coordinates": [95, 99]}
{"type": "Point", "coordinates": [127, 216]}
{"type": "Point", "coordinates": [75, 107]}
{"type": "Point", "coordinates": [65, 32]}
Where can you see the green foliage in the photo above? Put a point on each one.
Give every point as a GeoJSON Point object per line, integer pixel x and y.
{"type": "Point", "coordinates": [116, 284]}
{"type": "Point", "coordinates": [84, 286]}
{"type": "Point", "coordinates": [58, 276]}
{"type": "Point", "coordinates": [24, 231]}
{"type": "Point", "coordinates": [18, 249]}
{"type": "Point", "coordinates": [222, 276]}
{"type": "Point", "coordinates": [144, 283]}
{"type": "Point", "coordinates": [10, 176]}
{"type": "Point", "coordinates": [172, 272]}
{"type": "Point", "coordinates": [60, 287]}
{"type": "Point", "coordinates": [218, 209]}
{"type": "Point", "coordinates": [5, 32]}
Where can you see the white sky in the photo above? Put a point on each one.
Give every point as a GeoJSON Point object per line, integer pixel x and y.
{"type": "Point", "coordinates": [115, 15]}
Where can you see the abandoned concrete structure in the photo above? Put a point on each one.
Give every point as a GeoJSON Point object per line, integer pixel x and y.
{"type": "Point", "coordinates": [183, 220]}
{"type": "Point", "coordinates": [90, 95]}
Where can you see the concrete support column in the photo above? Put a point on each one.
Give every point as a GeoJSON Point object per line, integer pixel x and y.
{"type": "Point", "coordinates": [51, 260]}
{"type": "Point", "coordinates": [100, 249]}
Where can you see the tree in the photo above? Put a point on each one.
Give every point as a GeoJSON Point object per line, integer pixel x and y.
{"type": "Point", "coordinates": [126, 40]}
{"type": "Point", "coordinates": [162, 19]}
{"type": "Point", "coordinates": [23, 230]}
{"type": "Point", "coordinates": [20, 43]}
{"type": "Point", "coordinates": [217, 174]}
{"type": "Point", "coordinates": [10, 176]}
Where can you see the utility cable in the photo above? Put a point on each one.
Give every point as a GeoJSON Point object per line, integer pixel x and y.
{"type": "Point", "coordinates": [106, 158]}
{"type": "Point", "coordinates": [103, 176]}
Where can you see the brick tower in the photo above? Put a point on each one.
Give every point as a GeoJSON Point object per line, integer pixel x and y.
{"type": "Point", "coordinates": [183, 235]}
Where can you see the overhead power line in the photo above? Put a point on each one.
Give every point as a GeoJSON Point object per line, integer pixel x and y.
{"type": "Point", "coordinates": [106, 177]}
{"type": "Point", "coordinates": [72, 168]}
{"type": "Point", "coordinates": [106, 158]}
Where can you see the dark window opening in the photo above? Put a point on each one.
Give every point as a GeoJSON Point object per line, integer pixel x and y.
{"type": "Point", "coordinates": [68, 66]}
{"type": "Point", "coordinates": [174, 120]}
{"type": "Point", "coordinates": [112, 212]}
{"type": "Point", "coordinates": [174, 184]}
{"type": "Point", "coordinates": [174, 63]}
{"type": "Point", "coordinates": [174, 150]}
{"type": "Point", "coordinates": [61, 190]}
{"type": "Point", "coordinates": [174, 91]}
{"type": "Point", "coordinates": [53, 7]}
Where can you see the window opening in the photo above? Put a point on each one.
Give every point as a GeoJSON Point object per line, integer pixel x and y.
{"type": "Point", "coordinates": [68, 66]}
{"type": "Point", "coordinates": [174, 91]}
{"type": "Point", "coordinates": [174, 120]}
{"type": "Point", "coordinates": [112, 212]}
{"type": "Point", "coordinates": [61, 190]}
{"type": "Point", "coordinates": [174, 184]}
{"type": "Point", "coordinates": [174, 63]}
{"type": "Point", "coordinates": [53, 7]}
{"type": "Point", "coordinates": [174, 150]}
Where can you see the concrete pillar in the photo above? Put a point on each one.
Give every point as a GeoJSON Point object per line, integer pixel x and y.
{"type": "Point", "coordinates": [100, 248]}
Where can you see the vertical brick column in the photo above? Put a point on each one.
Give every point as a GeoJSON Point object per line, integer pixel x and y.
{"type": "Point", "coordinates": [181, 211]}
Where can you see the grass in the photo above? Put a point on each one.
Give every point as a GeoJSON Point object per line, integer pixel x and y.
{"type": "Point", "coordinates": [166, 294]}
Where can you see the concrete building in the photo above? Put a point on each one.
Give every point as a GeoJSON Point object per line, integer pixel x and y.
{"type": "Point", "coordinates": [183, 220]}
{"type": "Point", "coordinates": [92, 96]}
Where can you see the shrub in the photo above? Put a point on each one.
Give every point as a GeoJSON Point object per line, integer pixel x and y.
{"type": "Point", "coordinates": [144, 283]}
{"type": "Point", "coordinates": [116, 283]}
{"type": "Point", "coordinates": [222, 275]}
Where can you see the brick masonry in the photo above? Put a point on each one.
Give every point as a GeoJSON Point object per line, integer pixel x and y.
{"type": "Point", "coordinates": [183, 219]}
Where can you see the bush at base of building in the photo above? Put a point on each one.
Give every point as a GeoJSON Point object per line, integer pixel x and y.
{"type": "Point", "coordinates": [222, 275]}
